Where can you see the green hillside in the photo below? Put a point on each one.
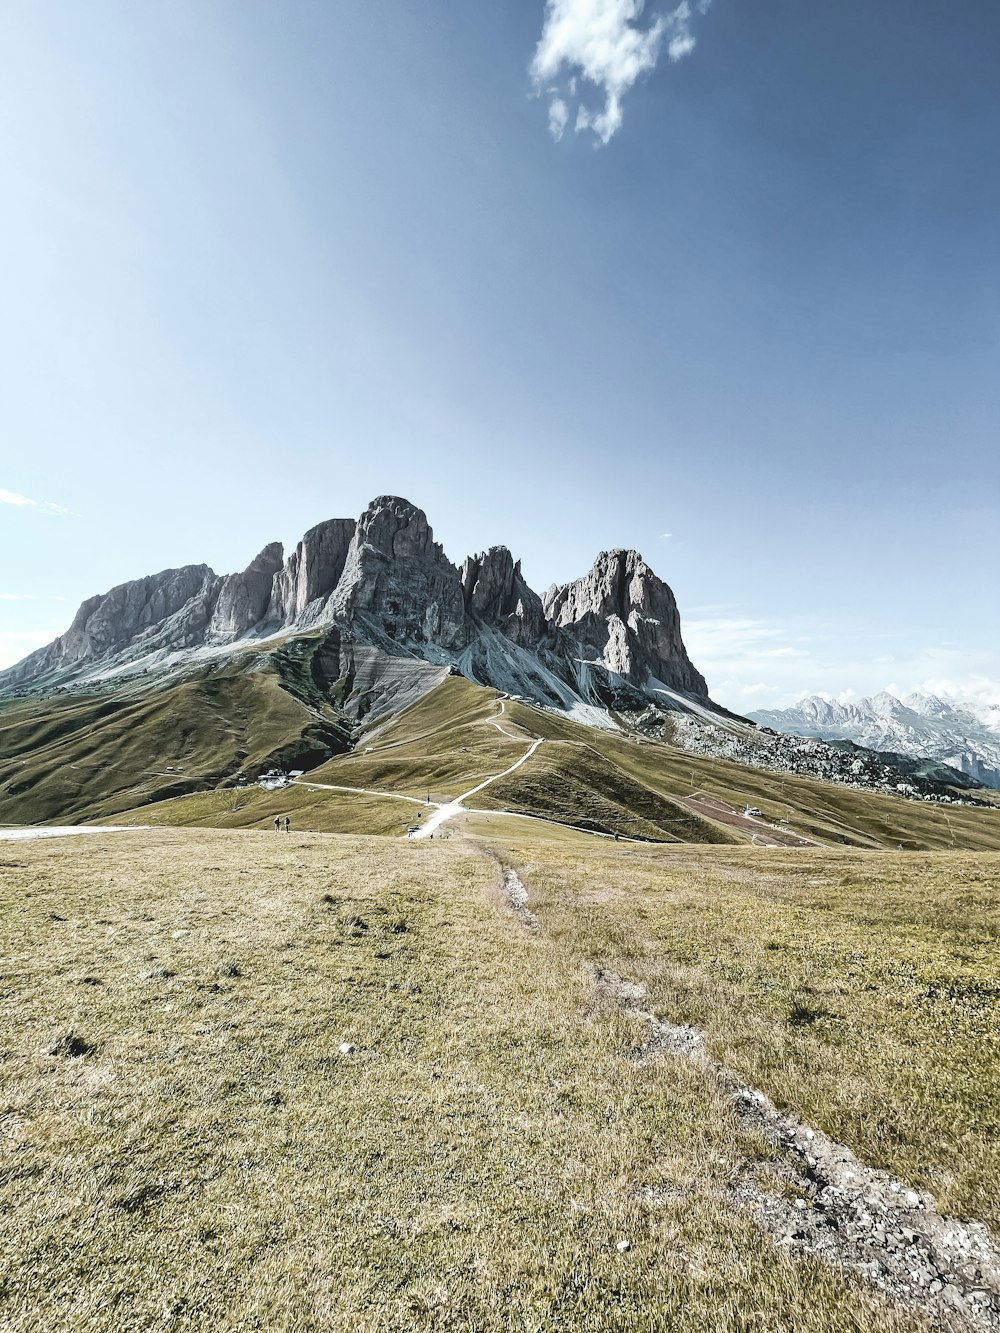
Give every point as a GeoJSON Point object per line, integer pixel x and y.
{"type": "Point", "coordinates": [172, 755]}
{"type": "Point", "coordinates": [457, 737]}
{"type": "Point", "coordinates": [90, 757]}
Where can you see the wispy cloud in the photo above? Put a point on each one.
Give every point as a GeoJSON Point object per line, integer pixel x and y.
{"type": "Point", "coordinates": [27, 597]}
{"type": "Point", "coordinates": [558, 116]}
{"type": "Point", "coordinates": [43, 506]}
{"type": "Point", "coordinates": [604, 43]}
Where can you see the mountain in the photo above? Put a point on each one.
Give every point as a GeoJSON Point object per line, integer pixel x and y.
{"type": "Point", "coordinates": [187, 686]}
{"type": "Point", "coordinates": [920, 726]}
{"type": "Point", "coordinates": [373, 593]}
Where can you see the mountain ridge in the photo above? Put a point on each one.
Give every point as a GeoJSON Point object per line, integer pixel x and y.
{"type": "Point", "coordinates": [609, 638]}
{"type": "Point", "coordinates": [962, 735]}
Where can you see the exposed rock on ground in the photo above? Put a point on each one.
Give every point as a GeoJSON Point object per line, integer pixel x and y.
{"type": "Point", "coordinates": [762, 748]}
{"type": "Point", "coordinates": [814, 1197]}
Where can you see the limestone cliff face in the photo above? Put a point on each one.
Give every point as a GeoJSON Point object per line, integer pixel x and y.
{"type": "Point", "coordinates": [497, 595]}
{"type": "Point", "coordinates": [312, 572]}
{"type": "Point", "coordinates": [626, 618]}
{"type": "Point", "coordinates": [175, 605]}
{"type": "Point", "coordinates": [397, 574]}
{"type": "Point", "coordinates": [384, 581]}
{"type": "Point", "coordinates": [242, 599]}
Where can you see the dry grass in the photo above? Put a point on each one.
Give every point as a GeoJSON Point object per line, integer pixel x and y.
{"type": "Point", "coordinates": [213, 1160]}
{"type": "Point", "coordinates": [860, 990]}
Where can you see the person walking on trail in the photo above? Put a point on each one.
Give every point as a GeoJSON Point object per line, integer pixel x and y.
{"type": "Point", "coordinates": [277, 822]}
{"type": "Point", "coordinates": [288, 824]}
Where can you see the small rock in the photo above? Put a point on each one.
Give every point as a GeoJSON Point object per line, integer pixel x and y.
{"type": "Point", "coordinates": [912, 1198]}
{"type": "Point", "coordinates": [622, 1246]}
{"type": "Point", "coordinates": [346, 1048]}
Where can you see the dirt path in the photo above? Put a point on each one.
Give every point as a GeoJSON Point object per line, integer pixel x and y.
{"type": "Point", "coordinates": [443, 811]}
{"type": "Point", "coordinates": [446, 812]}
{"type": "Point", "coordinates": [813, 1197]}
{"type": "Point", "coordinates": [509, 734]}
{"type": "Point", "coordinates": [362, 791]}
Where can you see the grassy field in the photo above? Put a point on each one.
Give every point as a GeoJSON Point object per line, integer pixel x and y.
{"type": "Point", "coordinates": [602, 781]}
{"type": "Point", "coordinates": [829, 813]}
{"type": "Point", "coordinates": [187, 1146]}
{"type": "Point", "coordinates": [169, 756]}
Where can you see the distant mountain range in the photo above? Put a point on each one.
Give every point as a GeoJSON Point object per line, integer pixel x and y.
{"type": "Point", "coordinates": [965, 736]}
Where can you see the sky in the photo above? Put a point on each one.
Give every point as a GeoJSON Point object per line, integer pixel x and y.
{"type": "Point", "coordinates": [718, 281]}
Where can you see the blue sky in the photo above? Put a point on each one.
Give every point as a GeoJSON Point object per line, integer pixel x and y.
{"type": "Point", "coordinates": [262, 263]}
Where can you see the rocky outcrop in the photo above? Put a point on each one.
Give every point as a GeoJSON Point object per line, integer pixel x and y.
{"type": "Point", "coordinates": [398, 575]}
{"type": "Point", "coordinates": [312, 572]}
{"type": "Point", "coordinates": [243, 599]}
{"type": "Point", "coordinates": [384, 581]}
{"type": "Point", "coordinates": [496, 594]}
{"type": "Point", "coordinates": [624, 617]}
{"type": "Point", "coordinates": [173, 606]}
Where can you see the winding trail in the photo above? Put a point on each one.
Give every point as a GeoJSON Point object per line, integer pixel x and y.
{"type": "Point", "coordinates": [443, 811]}
{"type": "Point", "coordinates": [446, 812]}
{"type": "Point", "coordinates": [361, 791]}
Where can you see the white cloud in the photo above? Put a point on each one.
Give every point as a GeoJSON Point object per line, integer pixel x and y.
{"type": "Point", "coordinates": [603, 43]}
{"type": "Point", "coordinates": [972, 689]}
{"type": "Point", "coordinates": [665, 536]}
{"type": "Point", "coordinates": [17, 597]}
{"type": "Point", "coordinates": [680, 46]}
{"type": "Point", "coordinates": [45, 506]}
{"type": "Point", "coordinates": [558, 116]}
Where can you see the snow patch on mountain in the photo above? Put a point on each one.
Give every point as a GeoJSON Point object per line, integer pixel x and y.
{"type": "Point", "coordinates": [921, 726]}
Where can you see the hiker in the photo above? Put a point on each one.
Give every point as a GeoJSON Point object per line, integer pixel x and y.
{"type": "Point", "coordinates": [277, 822]}
{"type": "Point", "coordinates": [288, 824]}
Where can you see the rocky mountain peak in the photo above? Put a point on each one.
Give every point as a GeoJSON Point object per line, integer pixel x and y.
{"type": "Point", "coordinates": [496, 594]}
{"type": "Point", "coordinates": [919, 726]}
{"type": "Point", "coordinates": [398, 575]}
{"type": "Point", "coordinates": [398, 529]}
{"type": "Point", "coordinates": [383, 581]}
{"type": "Point", "coordinates": [241, 599]}
{"type": "Point", "coordinates": [628, 617]}
{"type": "Point", "coordinates": [312, 572]}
